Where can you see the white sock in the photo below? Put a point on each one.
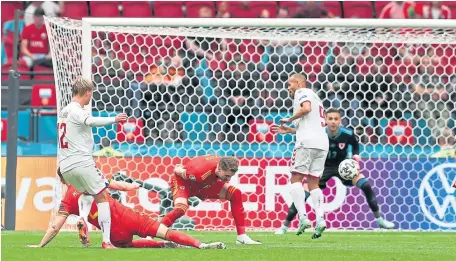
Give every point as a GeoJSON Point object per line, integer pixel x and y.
{"type": "Point", "coordinates": [298, 195]}
{"type": "Point", "coordinates": [104, 219]}
{"type": "Point", "coordinates": [85, 204]}
{"type": "Point", "coordinates": [317, 200]}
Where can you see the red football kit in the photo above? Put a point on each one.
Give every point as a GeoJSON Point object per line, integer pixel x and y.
{"type": "Point", "coordinates": [37, 39]}
{"type": "Point", "coordinates": [125, 222]}
{"type": "Point", "coordinates": [199, 179]}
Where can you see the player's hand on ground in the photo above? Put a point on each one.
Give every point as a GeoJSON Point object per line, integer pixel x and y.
{"type": "Point", "coordinates": [33, 246]}
{"type": "Point", "coordinates": [121, 117]}
{"type": "Point", "coordinates": [284, 120]}
{"type": "Point", "coordinates": [282, 129]}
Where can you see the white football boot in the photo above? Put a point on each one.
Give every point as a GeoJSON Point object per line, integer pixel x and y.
{"type": "Point", "coordinates": [246, 240]}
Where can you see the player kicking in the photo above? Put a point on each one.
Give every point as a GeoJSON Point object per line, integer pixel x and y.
{"type": "Point", "coordinates": [126, 223]}
{"type": "Point", "coordinates": [75, 151]}
{"type": "Point", "coordinates": [310, 150]}
{"type": "Point", "coordinates": [341, 140]}
{"type": "Point", "coordinates": [206, 177]}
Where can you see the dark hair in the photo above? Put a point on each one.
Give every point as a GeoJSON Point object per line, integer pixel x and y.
{"type": "Point", "coordinates": [333, 110]}
{"type": "Point", "coordinates": [39, 12]}
{"type": "Point", "coordinates": [229, 164]}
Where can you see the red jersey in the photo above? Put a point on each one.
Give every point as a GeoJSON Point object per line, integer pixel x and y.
{"type": "Point", "coordinates": [200, 171]}
{"type": "Point", "coordinates": [37, 39]}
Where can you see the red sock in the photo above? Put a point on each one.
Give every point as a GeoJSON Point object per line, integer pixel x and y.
{"type": "Point", "coordinates": [234, 195]}
{"type": "Point", "coordinates": [146, 243]}
{"type": "Point", "coordinates": [182, 239]}
{"type": "Point", "coordinates": [178, 211]}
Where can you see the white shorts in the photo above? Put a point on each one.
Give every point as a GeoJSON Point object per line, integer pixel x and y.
{"type": "Point", "coordinates": [86, 180]}
{"type": "Point", "coordinates": [307, 161]}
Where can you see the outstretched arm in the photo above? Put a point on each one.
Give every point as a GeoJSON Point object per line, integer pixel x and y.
{"type": "Point", "coordinates": [123, 186]}
{"type": "Point", "coordinates": [52, 231]}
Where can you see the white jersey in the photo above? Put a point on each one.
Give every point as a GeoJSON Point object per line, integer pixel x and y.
{"type": "Point", "coordinates": [75, 138]}
{"type": "Point", "coordinates": [310, 129]}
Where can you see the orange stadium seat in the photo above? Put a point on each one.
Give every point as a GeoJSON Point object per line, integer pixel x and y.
{"type": "Point", "coordinates": [193, 8]}
{"type": "Point", "coordinates": [75, 9]}
{"type": "Point", "coordinates": [168, 9]}
{"type": "Point", "coordinates": [104, 9]}
{"type": "Point", "coordinates": [358, 9]}
{"type": "Point", "coordinates": [136, 9]}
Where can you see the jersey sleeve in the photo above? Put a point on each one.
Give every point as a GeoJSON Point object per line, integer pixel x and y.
{"type": "Point", "coordinates": [65, 206]}
{"type": "Point", "coordinates": [354, 142]}
{"type": "Point", "coordinates": [79, 116]}
{"type": "Point", "coordinates": [302, 97]}
{"type": "Point", "coordinates": [201, 168]}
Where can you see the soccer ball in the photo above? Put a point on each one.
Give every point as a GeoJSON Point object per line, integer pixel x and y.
{"type": "Point", "coordinates": [348, 169]}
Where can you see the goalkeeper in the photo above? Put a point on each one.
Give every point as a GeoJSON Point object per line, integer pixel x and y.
{"type": "Point", "coordinates": [340, 141]}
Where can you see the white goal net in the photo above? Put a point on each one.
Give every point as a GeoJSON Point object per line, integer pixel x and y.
{"type": "Point", "coordinates": [216, 89]}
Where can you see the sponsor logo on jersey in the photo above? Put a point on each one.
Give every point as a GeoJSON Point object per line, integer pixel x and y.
{"type": "Point", "coordinates": [182, 187]}
{"type": "Point", "coordinates": [341, 146]}
{"type": "Point", "coordinates": [436, 196]}
{"type": "Point", "coordinates": [192, 177]}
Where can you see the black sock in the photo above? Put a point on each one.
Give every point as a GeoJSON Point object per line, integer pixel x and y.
{"type": "Point", "coordinates": [292, 212]}
{"type": "Point", "coordinates": [370, 196]}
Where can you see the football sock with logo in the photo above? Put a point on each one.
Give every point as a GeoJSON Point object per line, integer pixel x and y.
{"type": "Point", "coordinates": [292, 211]}
{"type": "Point", "coordinates": [178, 211]}
{"type": "Point", "coordinates": [370, 196]}
{"type": "Point", "coordinates": [147, 243]}
{"type": "Point", "coordinates": [234, 195]}
{"type": "Point", "coordinates": [182, 239]}
{"type": "Point", "coordinates": [104, 220]}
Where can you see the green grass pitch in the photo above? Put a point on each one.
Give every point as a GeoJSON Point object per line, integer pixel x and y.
{"type": "Point", "coordinates": [333, 246]}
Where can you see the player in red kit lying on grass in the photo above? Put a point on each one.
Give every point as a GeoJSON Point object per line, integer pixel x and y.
{"type": "Point", "coordinates": [126, 223]}
{"type": "Point", "coordinates": [206, 177]}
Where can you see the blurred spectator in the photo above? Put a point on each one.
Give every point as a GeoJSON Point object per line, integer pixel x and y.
{"type": "Point", "coordinates": [398, 10]}
{"type": "Point", "coordinates": [311, 10]}
{"type": "Point", "coordinates": [168, 72]}
{"type": "Point", "coordinates": [433, 10]}
{"type": "Point", "coordinates": [8, 40]}
{"type": "Point", "coordinates": [265, 14]}
{"type": "Point", "coordinates": [50, 9]}
{"type": "Point", "coordinates": [205, 12]}
{"type": "Point", "coordinates": [35, 44]}
{"type": "Point", "coordinates": [283, 12]}
{"type": "Point", "coordinates": [222, 11]}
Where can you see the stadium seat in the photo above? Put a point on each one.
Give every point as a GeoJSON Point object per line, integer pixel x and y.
{"type": "Point", "coordinates": [104, 9]}
{"type": "Point", "coordinates": [43, 95]}
{"type": "Point", "coordinates": [292, 6]}
{"type": "Point", "coordinates": [75, 9]}
{"type": "Point", "coordinates": [333, 8]}
{"type": "Point", "coordinates": [168, 9]}
{"type": "Point", "coordinates": [4, 129]}
{"type": "Point", "coordinates": [237, 10]}
{"type": "Point", "coordinates": [193, 8]}
{"type": "Point", "coordinates": [43, 69]}
{"type": "Point", "coordinates": [8, 8]}
{"type": "Point", "coordinates": [258, 7]}
{"type": "Point", "coordinates": [354, 9]}
{"type": "Point", "coordinates": [20, 67]}
{"type": "Point", "coordinates": [452, 6]}
{"type": "Point", "coordinates": [136, 9]}
{"type": "Point", "coordinates": [131, 131]}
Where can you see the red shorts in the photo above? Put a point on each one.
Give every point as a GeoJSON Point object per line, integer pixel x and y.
{"type": "Point", "coordinates": [133, 223]}
{"type": "Point", "coordinates": [181, 189]}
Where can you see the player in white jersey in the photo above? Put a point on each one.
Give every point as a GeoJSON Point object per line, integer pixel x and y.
{"type": "Point", "coordinates": [311, 150]}
{"type": "Point", "coordinates": [76, 163]}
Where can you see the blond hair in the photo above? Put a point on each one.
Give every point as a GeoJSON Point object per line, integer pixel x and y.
{"type": "Point", "coordinates": [229, 164]}
{"type": "Point", "coordinates": [81, 86]}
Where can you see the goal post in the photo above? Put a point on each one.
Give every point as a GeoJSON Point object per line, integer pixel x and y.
{"type": "Point", "coordinates": [200, 86]}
